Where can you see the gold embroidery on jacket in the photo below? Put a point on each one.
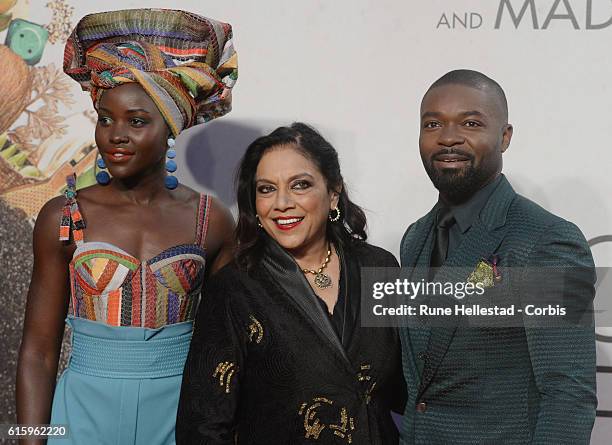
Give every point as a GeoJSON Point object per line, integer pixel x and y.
{"type": "Point", "coordinates": [363, 376]}
{"type": "Point", "coordinates": [368, 393]}
{"type": "Point", "coordinates": [224, 372]}
{"type": "Point", "coordinates": [345, 425]}
{"type": "Point", "coordinates": [313, 425]}
{"type": "Point", "coordinates": [255, 330]}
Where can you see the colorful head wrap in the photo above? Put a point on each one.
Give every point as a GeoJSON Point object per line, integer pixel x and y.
{"type": "Point", "coordinates": [186, 63]}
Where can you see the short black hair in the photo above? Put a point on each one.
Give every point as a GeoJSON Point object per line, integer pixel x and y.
{"type": "Point", "coordinates": [473, 79]}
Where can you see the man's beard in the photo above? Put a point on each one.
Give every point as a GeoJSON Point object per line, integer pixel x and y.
{"type": "Point", "coordinates": [457, 185]}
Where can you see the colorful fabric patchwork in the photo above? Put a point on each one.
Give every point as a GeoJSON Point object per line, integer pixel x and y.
{"type": "Point", "coordinates": [72, 220]}
{"type": "Point", "coordinates": [111, 286]}
{"type": "Point", "coordinates": [186, 63]}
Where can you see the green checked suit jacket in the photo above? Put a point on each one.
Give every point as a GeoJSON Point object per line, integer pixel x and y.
{"type": "Point", "coordinates": [502, 385]}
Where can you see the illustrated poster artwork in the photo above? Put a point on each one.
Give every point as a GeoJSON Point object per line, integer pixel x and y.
{"type": "Point", "coordinates": [37, 151]}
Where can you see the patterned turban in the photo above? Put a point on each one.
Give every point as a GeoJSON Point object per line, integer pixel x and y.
{"type": "Point", "coordinates": [186, 63]}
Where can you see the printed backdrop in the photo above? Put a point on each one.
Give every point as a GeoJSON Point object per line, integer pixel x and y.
{"type": "Point", "coordinates": [356, 70]}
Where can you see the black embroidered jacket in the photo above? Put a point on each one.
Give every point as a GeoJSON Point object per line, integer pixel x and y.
{"type": "Point", "coordinates": [267, 367]}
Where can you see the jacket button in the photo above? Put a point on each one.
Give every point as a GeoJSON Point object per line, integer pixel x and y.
{"type": "Point", "coordinates": [421, 407]}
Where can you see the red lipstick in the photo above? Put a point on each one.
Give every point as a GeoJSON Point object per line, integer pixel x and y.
{"type": "Point", "coordinates": [287, 222]}
{"type": "Point", "coordinates": [119, 155]}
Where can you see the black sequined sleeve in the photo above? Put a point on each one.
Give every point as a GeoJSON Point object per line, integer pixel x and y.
{"type": "Point", "coordinates": [211, 381]}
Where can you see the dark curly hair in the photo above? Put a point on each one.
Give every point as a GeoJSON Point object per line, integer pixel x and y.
{"type": "Point", "coordinates": [351, 228]}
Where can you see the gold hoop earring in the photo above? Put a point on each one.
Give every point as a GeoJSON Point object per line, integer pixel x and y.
{"type": "Point", "coordinates": [336, 217]}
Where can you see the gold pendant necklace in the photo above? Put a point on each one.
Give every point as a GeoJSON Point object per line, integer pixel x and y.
{"type": "Point", "coordinates": [322, 280]}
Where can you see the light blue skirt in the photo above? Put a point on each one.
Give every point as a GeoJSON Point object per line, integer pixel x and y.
{"type": "Point", "coordinates": [122, 384]}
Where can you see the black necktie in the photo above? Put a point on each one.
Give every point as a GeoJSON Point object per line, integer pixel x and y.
{"type": "Point", "coordinates": [444, 221]}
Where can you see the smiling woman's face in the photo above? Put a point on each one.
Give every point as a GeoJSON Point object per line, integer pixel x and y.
{"type": "Point", "coordinates": [292, 199]}
{"type": "Point", "coordinates": [131, 133]}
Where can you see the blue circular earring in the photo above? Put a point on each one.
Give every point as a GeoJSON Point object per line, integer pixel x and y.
{"type": "Point", "coordinates": [171, 182]}
{"type": "Point", "coordinates": [102, 177]}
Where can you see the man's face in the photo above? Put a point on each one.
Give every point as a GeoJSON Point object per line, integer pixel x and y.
{"type": "Point", "coordinates": [462, 138]}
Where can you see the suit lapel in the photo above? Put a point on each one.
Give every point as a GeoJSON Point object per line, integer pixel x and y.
{"type": "Point", "coordinates": [481, 242]}
{"type": "Point", "coordinates": [415, 253]}
{"type": "Point", "coordinates": [416, 245]}
{"type": "Point", "coordinates": [287, 274]}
